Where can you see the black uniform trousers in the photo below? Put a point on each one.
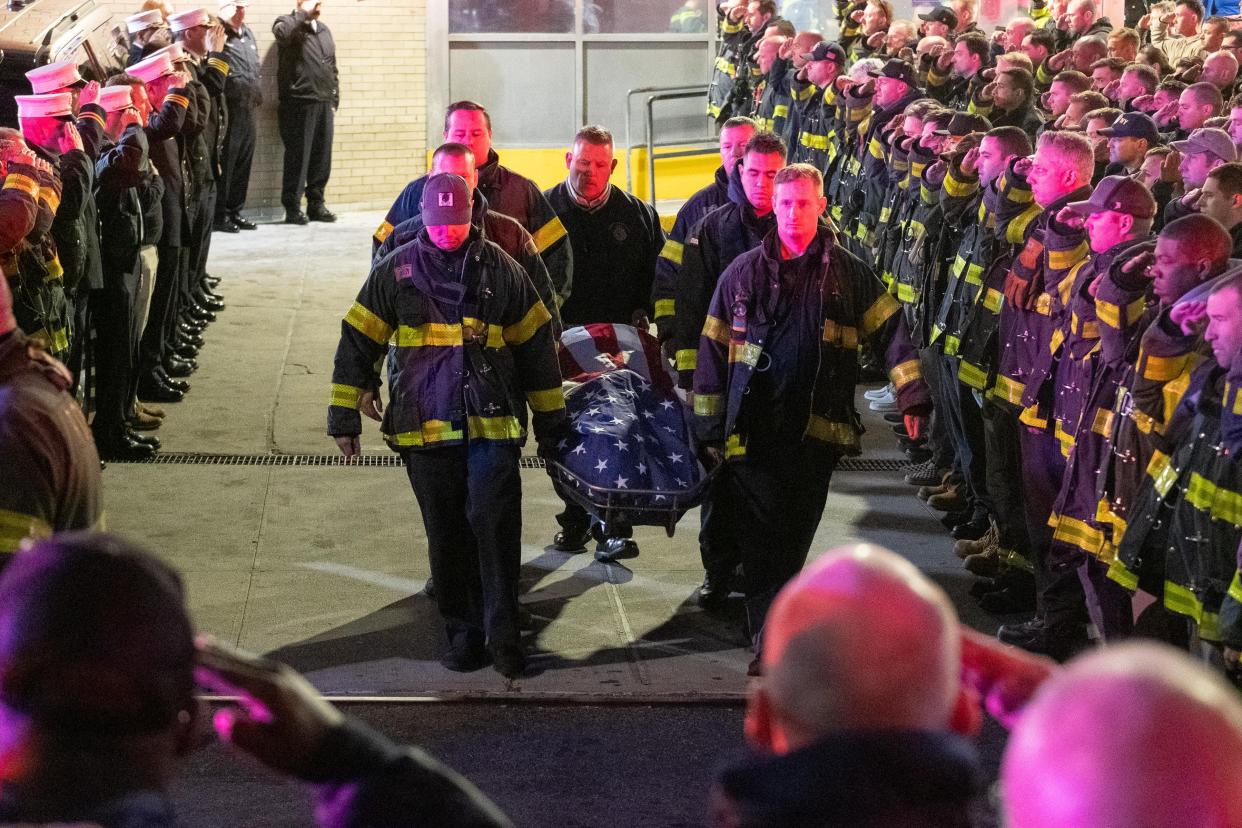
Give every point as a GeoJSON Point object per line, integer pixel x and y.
{"type": "Point", "coordinates": [717, 538]}
{"type": "Point", "coordinates": [238, 155]}
{"type": "Point", "coordinates": [113, 309]}
{"type": "Point", "coordinates": [1059, 596]}
{"type": "Point", "coordinates": [471, 501]}
{"type": "Point", "coordinates": [1003, 458]}
{"type": "Point", "coordinates": [200, 241]}
{"type": "Point", "coordinates": [306, 131]}
{"type": "Point", "coordinates": [775, 497]}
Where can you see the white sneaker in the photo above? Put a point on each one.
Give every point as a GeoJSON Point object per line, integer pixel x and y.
{"type": "Point", "coordinates": [884, 404]}
{"type": "Point", "coordinates": [879, 393]}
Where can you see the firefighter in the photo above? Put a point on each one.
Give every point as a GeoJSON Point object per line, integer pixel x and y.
{"type": "Point", "coordinates": [775, 376]}
{"type": "Point", "coordinates": [466, 122]}
{"type": "Point", "coordinates": [471, 347]}
{"type": "Point", "coordinates": [733, 139]}
{"type": "Point", "coordinates": [815, 94]}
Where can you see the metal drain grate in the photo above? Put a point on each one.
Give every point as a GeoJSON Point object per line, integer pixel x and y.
{"type": "Point", "coordinates": [848, 464]}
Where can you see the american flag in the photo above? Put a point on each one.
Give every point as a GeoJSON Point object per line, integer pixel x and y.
{"type": "Point", "coordinates": [628, 436]}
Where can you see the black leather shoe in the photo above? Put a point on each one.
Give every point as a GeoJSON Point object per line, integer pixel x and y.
{"type": "Point", "coordinates": [465, 656]}
{"type": "Point", "coordinates": [123, 449]}
{"type": "Point", "coordinates": [714, 592]}
{"type": "Point", "coordinates": [212, 303]}
{"type": "Point", "coordinates": [177, 385]}
{"type": "Point", "coordinates": [225, 225]}
{"type": "Point", "coordinates": [1059, 641]}
{"type": "Point", "coordinates": [321, 214]}
{"type": "Point", "coordinates": [178, 368]}
{"type": "Point", "coordinates": [296, 217]}
{"type": "Point", "coordinates": [569, 541]}
{"type": "Point", "coordinates": [147, 439]}
{"type": "Point", "coordinates": [972, 529]}
{"type": "Point", "coordinates": [150, 389]}
{"type": "Point", "coordinates": [198, 312]}
{"type": "Point", "coordinates": [615, 549]}
{"type": "Point", "coordinates": [189, 325]}
{"type": "Point", "coordinates": [212, 281]}
{"type": "Point", "coordinates": [205, 291]}
{"type": "Point", "coordinates": [429, 588]}
{"type": "Point", "coordinates": [188, 336]}
{"type": "Point", "coordinates": [184, 350]}
{"type": "Point", "coordinates": [243, 224]}
{"type": "Point", "coordinates": [509, 660]}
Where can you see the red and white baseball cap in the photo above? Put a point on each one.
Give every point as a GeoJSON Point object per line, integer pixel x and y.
{"type": "Point", "coordinates": [54, 105]}
{"type": "Point", "coordinates": [54, 77]}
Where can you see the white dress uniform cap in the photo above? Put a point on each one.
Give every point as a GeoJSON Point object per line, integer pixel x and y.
{"type": "Point", "coordinates": [143, 20]}
{"type": "Point", "coordinates": [114, 98]}
{"type": "Point", "coordinates": [55, 105]}
{"type": "Point", "coordinates": [181, 21]}
{"type": "Point", "coordinates": [53, 77]}
{"type": "Point", "coordinates": [154, 67]}
{"type": "Point", "coordinates": [175, 52]}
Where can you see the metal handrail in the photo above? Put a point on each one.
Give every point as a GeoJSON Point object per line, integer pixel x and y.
{"type": "Point", "coordinates": [659, 93]}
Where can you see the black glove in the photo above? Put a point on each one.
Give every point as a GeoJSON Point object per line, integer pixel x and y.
{"type": "Point", "coordinates": [711, 454]}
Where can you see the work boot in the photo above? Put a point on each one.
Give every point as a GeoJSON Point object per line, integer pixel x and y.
{"type": "Point", "coordinates": [967, 547]}
{"type": "Point", "coordinates": [570, 540]}
{"type": "Point", "coordinates": [950, 500]}
{"type": "Point", "coordinates": [1059, 641]}
{"type": "Point", "coordinates": [985, 564]}
{"type": "Point", "coordinates": [142, 421]}
{"type": "Point", "coordinates": [972, 529]}
{"type": "Point", "coordinates": [714, 592]}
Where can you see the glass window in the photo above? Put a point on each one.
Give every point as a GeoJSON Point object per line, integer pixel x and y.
{"type": "Point", "coordinates": [809, 15]}
{"type": "Point", "coordinates": [634, 16]}
{"type": "Point", "coordinates": [493, 16]}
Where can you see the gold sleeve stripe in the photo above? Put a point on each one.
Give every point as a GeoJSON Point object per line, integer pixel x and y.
{"type": "Point", "coordinates": [219, 65]}
{"type": "Point", "coordinates": [180, 100]}
{"type": "Point", "coordinates": [672, 251]}
{"type": "Point", "coordinates": [346, 396]}
{"type": "Point", "coordinates": [551, 399]}
{"type": "Point", "coordinates": [716, 330]}
{"type": "Point", "coordinates": [383, 232]}
{"type": "Point", "coordinates": [905, 373]}
{"type": "Point", "coordinates": [879, 313]}
{"type": "Point", "coordinates": [16, 181]}
{"type": "Point", "coordinates": [94, 116]}
{"type": "Point", "coordinates": [521, 332]}
{"type": "Point", "coordinates": [368, 324]}
{"type": "Point", "coordinates": [50, 197]}
{"type": "Point", "coordinates": [549, 234]}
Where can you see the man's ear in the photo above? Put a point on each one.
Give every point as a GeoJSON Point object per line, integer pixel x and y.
{"type": "Point", "coordinates": [1127, 222]}
{"type": "Point", "coordinates": [614, 165]}
{"type": "Point", "coordinates": [569, 160]}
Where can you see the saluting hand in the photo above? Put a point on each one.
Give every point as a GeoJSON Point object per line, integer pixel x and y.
{"type": "Point", "coordinates": [89, 94]}
{"type": "Point", "coordinates": [970, 161]}
{"type": "Point", "coordinates": [1071, 218]}
{"type": "Point", "coordinates": [1191, 317]}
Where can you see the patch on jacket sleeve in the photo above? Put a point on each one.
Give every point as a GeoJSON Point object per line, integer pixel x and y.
{"type": "Point", "coordinates": [403, 272]}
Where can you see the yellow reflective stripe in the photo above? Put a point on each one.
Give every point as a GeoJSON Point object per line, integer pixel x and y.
{"type": "Point", "coordinates": [383, 232]}
{"type": "Point", "coordinates": [813, 141]}
{"type": "Point", "coordinates": [368, 324]}
{"type": "Point", "coordinates": [807, 93]}
{"type": "Point", "coordinates": [49, 196]}
{"type": "Point", "coordinates": [831, 432]}
{"type": "Point", "coordinates": [664, 307]}
{"type": "Point", "coordinates": [876, 149]}
{"type": "Point", "coordinates": [1108, 313]}
{"type": "Point", "coordinates": [734, 447]}
{"type": "Point", "coordinates": [1015, 232]}
{"type": "Point", "coordinates": [952, 345]}
{"type": "Point", "coordinates": [972, 375]}
{"type": "Point", "coordinates": [992, 300]}
{"type": "Point", "coordinates": [1102, 424]}
{"type": "Point", "coordinates": [1066, 439]}
{"type": "Point", "coordinates": [1030, 416]}
{"type": "Point", "coordinates": [520, 332]}
{"type": "Point", "coordinates": [1163, 369]}
{"type": "Point", "coordinates": [550, 399]}
{"type": "Point", "coordinates": [56, 341]}
{"type": "Point", "coordinates": [1118, 572]}
{"type": "Point", "coordinates": [1162, 473]}
{"type": "Point", "coordinates": [708, 405]}
{"type": "Point", "coordinates": [1054, 343]}
{"type": "Point", "coordinates": [843, 336]}
{"type": "Point", "coordinates": [880, 311]}
{"type": "Point", "coordinates": [494, 428]}
{"type": "Point", "coordinates": [1235, 587]}
{"type": "Point", "coordinates": [1007, 390]}
{"type": "Point", "coordinates": [745, 352]}
{"type": "Point", "coordinates": [1064, 259]}
{"type": "Point", "coordinates": [432, 431]}
{"type": "Point", "coordinates": [1219, 502]}
{"type": "Point", "coordinates": [429, 333]}
{"type": "Point", "coordinates": [905, 373]}
{"type": "Point", "coordinates": [17, 181]}
{"type": "Point", "coordinates": [716, 330]}
{"type": "Point", "coordinates": [346, 396]}
{"type": "Point", "coordinates": [1179, 599]}
{"type": "Point", "coordinates": [907, 293]}
{"type": "Point", "coordinates": [780, 111]}
{"type": "Point", "coordinates": [1079, 534]}
{"type": "Point", "coordinates": [672, 251]}
{"type": "Point", "coordinates": [687, 359]}
{"type": "Point", "coordinates": [16, 527]}
{"type": "Point", "coordinates": [549, 234]}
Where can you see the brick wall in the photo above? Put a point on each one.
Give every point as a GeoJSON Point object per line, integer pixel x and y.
{"type": "Point", "coordinates": [381, 124]}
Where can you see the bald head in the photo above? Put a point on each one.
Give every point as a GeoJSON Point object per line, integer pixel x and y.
{"type": "Point", "coordinates": [860, 640]}
{"type": "Point", "coordinates": [1220, 69]}
{"type": "Point", "coordinates": [1135, 734]}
